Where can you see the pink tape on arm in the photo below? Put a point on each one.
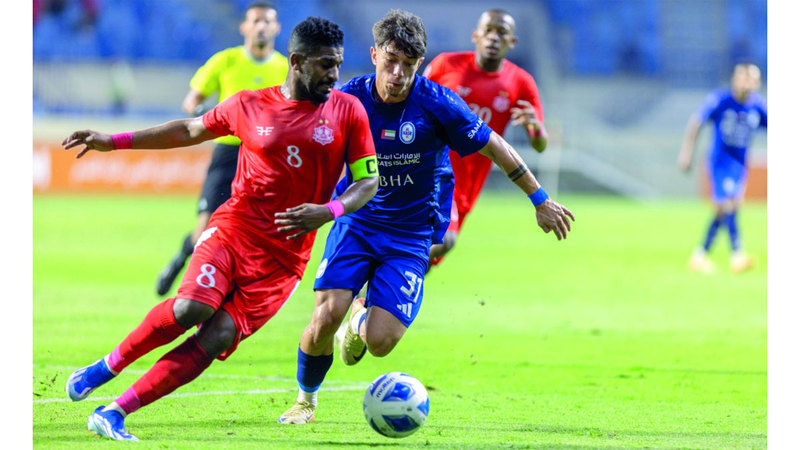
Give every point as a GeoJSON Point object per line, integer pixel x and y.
{"type": "Point", "coordinates": [336, 207]}
{"type": "Point", "coordinates": [122, 140]}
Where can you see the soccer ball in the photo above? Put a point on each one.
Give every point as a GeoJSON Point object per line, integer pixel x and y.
{"type": "Point", "coordinates": [396, 404]}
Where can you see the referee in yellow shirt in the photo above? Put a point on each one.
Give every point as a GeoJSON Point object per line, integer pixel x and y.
{"type": "Point", "coordinates": [254, 65]}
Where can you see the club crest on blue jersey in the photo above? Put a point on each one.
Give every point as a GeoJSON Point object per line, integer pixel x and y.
{"type": "Point", "coordinates": [407, 132]}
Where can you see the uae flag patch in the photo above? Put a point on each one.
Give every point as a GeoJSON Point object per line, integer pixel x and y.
{"type": "Point", "coordinates": [387, 134]}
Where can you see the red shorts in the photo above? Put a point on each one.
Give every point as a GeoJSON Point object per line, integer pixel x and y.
{"type": "Point", "coordinates": [251, 288]}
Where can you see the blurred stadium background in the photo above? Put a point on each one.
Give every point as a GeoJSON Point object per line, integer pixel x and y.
{"type": "Point", "coordinates": [618, 78]}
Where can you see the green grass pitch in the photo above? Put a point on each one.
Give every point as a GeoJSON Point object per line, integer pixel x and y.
{"type": "Point", "coordinates": [604, 340]}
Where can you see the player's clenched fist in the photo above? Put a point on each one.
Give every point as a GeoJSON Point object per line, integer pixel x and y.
{"type": "Point", "coordinates": [553, 216]}
{"type": "Point", "coordinates": [92, 140]}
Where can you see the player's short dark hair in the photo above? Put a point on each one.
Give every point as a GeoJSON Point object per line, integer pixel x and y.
{"type": "Point", "coordinates": [403, 29]}
{"type": "Point", "coordinates": [257, 4]}
{"type": "Point", "coordinates": [313, 33]}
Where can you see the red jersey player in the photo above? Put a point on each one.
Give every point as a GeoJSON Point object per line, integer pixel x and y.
{"type": "Point", "coordinates": [498, 91]}
{"type": "Point", "coordinates": [295, 140]}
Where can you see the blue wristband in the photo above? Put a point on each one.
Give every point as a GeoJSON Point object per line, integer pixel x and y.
{"type": "Point", "coordinates": [538, 197]}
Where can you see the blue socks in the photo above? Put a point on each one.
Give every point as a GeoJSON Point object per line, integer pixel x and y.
{"type": "Point", "coordinates": [733, 230]}
{"type": "Point", "coordinates": [711, 233]}
{"type": "Point", "coordinates": [728, 221]}
{"type": "Point", "coordinates": [311, 370]}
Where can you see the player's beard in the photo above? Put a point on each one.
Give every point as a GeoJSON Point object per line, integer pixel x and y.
{"type": "Point", "coordinates": [320, 93]}
{"type": "Point", "coordinates": [314, 90]}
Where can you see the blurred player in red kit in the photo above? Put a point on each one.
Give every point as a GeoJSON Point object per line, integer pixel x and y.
{"type": "Point", "coordinates": [499, 92]}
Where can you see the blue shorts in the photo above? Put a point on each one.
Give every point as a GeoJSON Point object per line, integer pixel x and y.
{"type": "Point", "coordinates": [394, 267]}
{"type": "Point", "coordinates": [727, 183]}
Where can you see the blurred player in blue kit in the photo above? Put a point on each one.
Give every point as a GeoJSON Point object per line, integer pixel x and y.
{"type": "Point", "coordinates": [386, 243]}
{"type": "Point", "coordinates": [735, 113]}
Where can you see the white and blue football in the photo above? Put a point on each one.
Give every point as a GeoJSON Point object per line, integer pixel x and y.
{"type": "Point", "coordinates": [396, 404]}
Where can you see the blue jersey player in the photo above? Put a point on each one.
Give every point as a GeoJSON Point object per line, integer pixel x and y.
{"type": "Point", "coordinates": [735, 113]}
{"type": "Point", "coordinates": [386, 243]}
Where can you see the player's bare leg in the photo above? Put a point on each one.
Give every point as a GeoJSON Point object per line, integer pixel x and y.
{"type": "Point", "coordinates": [315, 355]}
{"type": "Point", "coordinates": [170, 272]}
{"type": "Point", "coordinates": [373, 329]}
{"type": "Point", "coordinates": [381, 331]}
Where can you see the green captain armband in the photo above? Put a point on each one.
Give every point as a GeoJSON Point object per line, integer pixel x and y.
{"type": "Point", "coordinates": [366, 167]}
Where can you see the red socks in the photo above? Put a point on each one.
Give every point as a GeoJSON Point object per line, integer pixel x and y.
{"type": "Point", "coordinates": [158, 328]}
{"type": "Point", "coordinates": [179, 366]}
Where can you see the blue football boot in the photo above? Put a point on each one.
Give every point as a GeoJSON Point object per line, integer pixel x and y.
{"type": "Point", "coordinates": [83, 381]}
{"type": "Point", "coordinates": [109, 424]}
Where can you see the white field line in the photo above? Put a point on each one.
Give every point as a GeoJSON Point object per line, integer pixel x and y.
{"type": "Point", "coordinates": [212, 375]}
{"type": "Point", "coordinates": [353, 387]}
{"type": "Point", "coordinates": [334, 385]}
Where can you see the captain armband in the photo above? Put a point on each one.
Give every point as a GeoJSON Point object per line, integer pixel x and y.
{"type": "Point", "coordinates": [366, 167]}
{"type": "Point", "coordinates": [517, 173]}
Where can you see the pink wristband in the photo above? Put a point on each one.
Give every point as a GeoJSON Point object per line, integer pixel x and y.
{"type": "Point", "coordinates": [122, 140]}
{"type": "Point", "coordinates": [336, 207]}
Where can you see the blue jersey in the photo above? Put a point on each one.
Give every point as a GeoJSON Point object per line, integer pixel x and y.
{"type": "Point", "coordinates": [734, 123]}
{"type": "Point", "coordinates": [411, 140]}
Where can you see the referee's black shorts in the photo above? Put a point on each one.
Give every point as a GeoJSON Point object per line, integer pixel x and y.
{"type": "Point", "coordinates": [217, 186]}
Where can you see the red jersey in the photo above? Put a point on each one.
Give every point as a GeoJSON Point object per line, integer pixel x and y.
{"type": "Point", "coordinates": [292, 152]}
{"type": "Point", "coordinates": [490, 95]}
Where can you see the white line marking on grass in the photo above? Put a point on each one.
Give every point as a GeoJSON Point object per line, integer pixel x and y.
{"type": "Point", "coordinates": [352, 387]}
{"type": "Point", "coordinates": [212, 375]}
{"type": "Point", "coordinates": [207, 375]}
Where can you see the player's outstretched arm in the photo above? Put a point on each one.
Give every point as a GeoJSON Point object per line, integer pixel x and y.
{"type": "Point", "coordinates": [689, 142]}
{"type": "Point", "coordinates": [309, 216]}
{"type": "Point", "coordinates": [177, 133]}
{"type": "Point", "coordinates": [550, 215]}
{"type": "Point", "coordinates": [525, 114]}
